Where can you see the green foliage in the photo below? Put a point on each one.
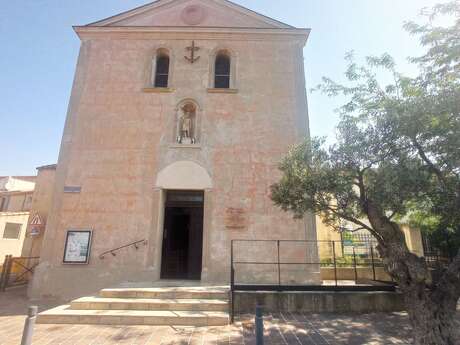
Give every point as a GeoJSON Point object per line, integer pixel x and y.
{"type": "Point", "coordinates": [344, 261]}
{"type": "Point", "coordinates": [443, 42]}
{"type": "Point", "coordinates": [397, 147]}
{"type": "Point", "coordinates": [349, 261]}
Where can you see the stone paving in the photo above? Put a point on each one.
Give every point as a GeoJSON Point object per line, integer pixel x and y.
{"type": "Point", "coordinates": [283, 329]}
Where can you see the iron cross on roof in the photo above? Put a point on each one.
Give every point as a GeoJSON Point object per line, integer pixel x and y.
{"type": "Point", "coordinates": [192, 50]}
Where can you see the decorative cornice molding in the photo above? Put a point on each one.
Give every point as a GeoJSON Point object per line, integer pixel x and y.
{"type": "Point", "coordinates": [178, 32]}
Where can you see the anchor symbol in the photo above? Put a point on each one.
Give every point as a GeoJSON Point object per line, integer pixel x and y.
{"type": "Point", "coordinates": [192, 50]}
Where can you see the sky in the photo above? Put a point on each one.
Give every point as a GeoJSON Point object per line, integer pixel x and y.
{"type": "Point", "coordinates": [38, 54]}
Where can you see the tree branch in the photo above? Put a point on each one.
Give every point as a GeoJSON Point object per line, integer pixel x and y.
{"type": "Point", "coordinates": [356, 221]}
{"type": "Point", "coordinates": [431, 165]}
{"type": "Point", "coordinates": [362, 191]}
{"type": "Point", "coordinates": [390, 217]}
{"type": "Point", "coordinates": [357, 229]}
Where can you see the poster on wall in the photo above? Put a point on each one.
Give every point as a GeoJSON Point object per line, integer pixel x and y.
{"type": "Point", "coordinates": [77, 246]}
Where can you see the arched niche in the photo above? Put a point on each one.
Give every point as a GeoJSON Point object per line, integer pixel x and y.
{"type": "Point", "coordinates": [188, 122]}
{"type": "Point", "coordinates": [184, 175]}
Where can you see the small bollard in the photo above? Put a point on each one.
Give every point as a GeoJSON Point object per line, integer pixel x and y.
{"type": "Point", "coordinates": [29, 326]}
{"type": "Point", "coordinates": [259, 326]}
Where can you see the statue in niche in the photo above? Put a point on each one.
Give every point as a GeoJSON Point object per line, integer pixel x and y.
{"type": "Point", "coordinates": [186, 124]}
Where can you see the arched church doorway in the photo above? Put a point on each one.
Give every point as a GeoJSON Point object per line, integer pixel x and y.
{"type": "Point", "coordinates": [183, 184]}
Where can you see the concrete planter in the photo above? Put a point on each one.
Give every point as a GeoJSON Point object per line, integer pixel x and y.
{"type": "Point", "coordinates": [319, 302]}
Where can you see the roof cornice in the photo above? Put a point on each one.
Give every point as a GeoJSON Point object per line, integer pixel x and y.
{"type": "Point", "coordinates": [183, 32]}
{"type": "Point", "coordinates": [15, 192]}
{"type": "Point", "coordinates": [47, 167]}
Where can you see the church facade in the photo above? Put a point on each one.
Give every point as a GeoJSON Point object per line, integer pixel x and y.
{"type": "Point", "coordinates": [180, 112]}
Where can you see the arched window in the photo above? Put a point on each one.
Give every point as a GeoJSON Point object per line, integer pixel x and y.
{"type": "Point", "coordinates": [222, 71]}
{"type": "Point", "coordinates": [162, 70]}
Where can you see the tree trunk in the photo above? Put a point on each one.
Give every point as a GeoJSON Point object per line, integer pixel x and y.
{"type": "Point", "coordinates": [432, 320]}
{"type": "Point", "coordinates": [431, 308]}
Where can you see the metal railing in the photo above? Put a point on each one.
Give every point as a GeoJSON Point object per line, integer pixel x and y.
{"type": "Point", "coordinates": [287, 262]}
{"type": "Point", "coordinates": [17, 271]}
{"type": "Point", "coordinates": [114, 251]}
{"type": "Point", "coordinates": [296, 265]}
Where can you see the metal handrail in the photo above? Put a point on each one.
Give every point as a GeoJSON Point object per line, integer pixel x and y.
{"type": "Point", "coordinates": [113, 251]}
{"type": "Point", "coordinates": [25, 257]}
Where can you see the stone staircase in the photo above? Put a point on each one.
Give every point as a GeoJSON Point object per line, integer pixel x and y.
{"type": "Point", "coordinates": [159, 306]}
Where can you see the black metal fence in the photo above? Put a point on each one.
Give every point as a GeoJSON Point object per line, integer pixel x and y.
{"type": "Point", "coordinates": [17, 271]}
{"type": "Point", "coordinates": [266, 263]}
{"type": "Point", "coordinates": [296, 265]}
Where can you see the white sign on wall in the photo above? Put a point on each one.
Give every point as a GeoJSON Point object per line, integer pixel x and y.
{"type": "Point", "coordinates": [77, 246]}
{"type": "Point", "coordinates": [36, 220]}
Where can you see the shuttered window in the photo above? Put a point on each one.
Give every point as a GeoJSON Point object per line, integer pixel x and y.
{"type": "Point", "coordinates": [12, 231]}
{"type": "Point", "coordinates": [4, 203]}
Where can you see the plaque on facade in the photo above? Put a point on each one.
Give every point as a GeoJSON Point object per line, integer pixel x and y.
{"type": "Point", "coordinates": [77, 246]}
{"type": "Point", "coordinates": [236, 218]}
{"type": "Point", "coordinates": [72, 189]}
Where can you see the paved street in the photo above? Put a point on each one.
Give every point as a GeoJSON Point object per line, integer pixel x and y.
{"type": "Point", "coordinates": [286, 328]}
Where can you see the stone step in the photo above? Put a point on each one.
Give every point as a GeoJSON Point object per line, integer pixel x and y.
{"type": "Point", "coordinates": [65, 315]}
{"type": "Point", "coordinates": [98, 303]}
{"type": "Point", "coordinates": [167, 293]}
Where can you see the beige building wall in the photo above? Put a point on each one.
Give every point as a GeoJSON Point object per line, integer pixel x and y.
{"type": "Point", "coordinates": [36, 198]}
{"type": "Point", "coordinates": [413, 240]}
{"type": "Point", "coordinates": [12, 246]}
{"type": "Point", "coordinates": [326, 234]}
{"type": "Point", "coordinates": [41, 205]}
{"type": "Point", "coordinates": [15, 202]}
{"type": "Point", "coordinates": [119, 136]}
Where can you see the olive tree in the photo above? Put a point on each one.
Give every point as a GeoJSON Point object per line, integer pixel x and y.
{"type": "Point", "coordinates": [396, 156]}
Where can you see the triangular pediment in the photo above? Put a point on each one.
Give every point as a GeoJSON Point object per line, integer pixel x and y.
{"type": "Point", "coordinates": [192, 13]}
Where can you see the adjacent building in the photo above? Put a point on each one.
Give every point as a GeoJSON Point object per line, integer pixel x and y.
{"type": "Point", "coordinates": [16, 195]}
{"type": "Point", "coordinates": [24, 205]}
{"type": "Point", "coordinates": [361, 240]}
